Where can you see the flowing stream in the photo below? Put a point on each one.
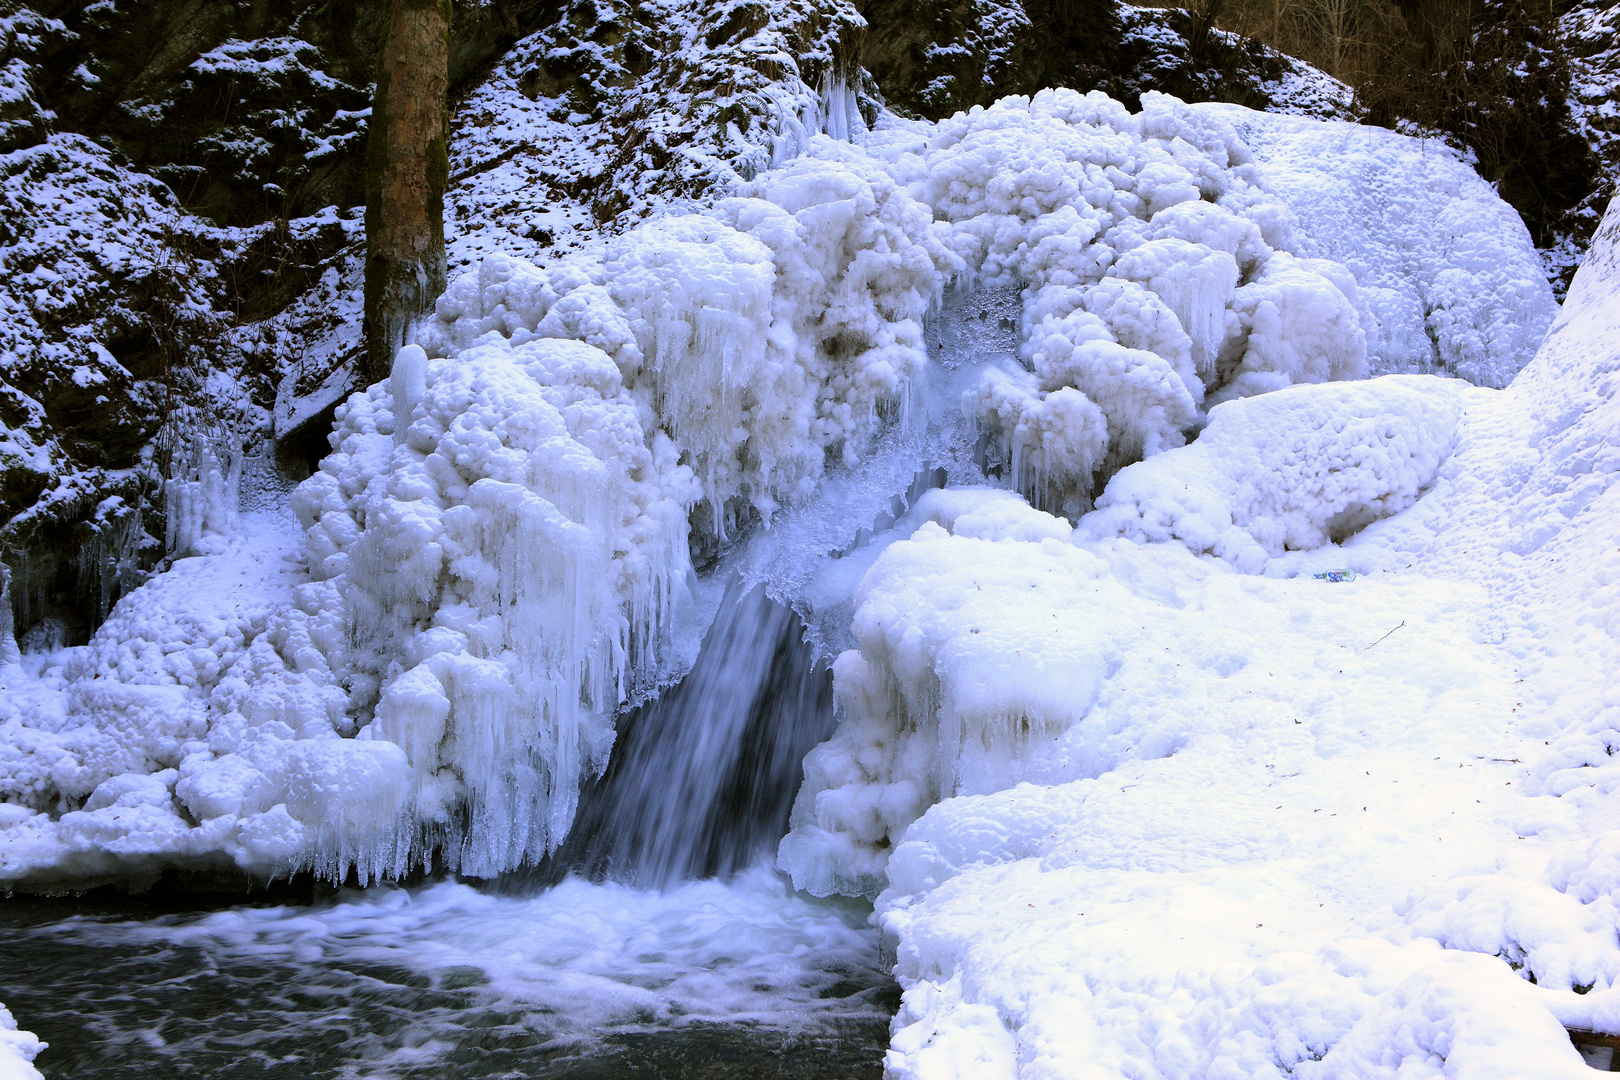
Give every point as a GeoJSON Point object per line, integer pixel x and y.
{"type": "Point", "coordinates": [702, 779]}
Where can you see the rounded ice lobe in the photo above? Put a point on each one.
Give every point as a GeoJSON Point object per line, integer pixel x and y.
{"type": "Point", "coordinates": [1291, 470]}
{"type": "Point", "coordinates": [1154, 270]}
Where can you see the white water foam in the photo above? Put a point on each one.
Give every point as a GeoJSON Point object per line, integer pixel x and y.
{"type": "Point", "coordinates": [579, 961]}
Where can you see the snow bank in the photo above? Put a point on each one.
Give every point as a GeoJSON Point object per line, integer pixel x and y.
{"type": "Point", "coordinates": [1446, 267]}
{"type": "Point", "coordinates": [17, 1050]}
{"type": "Point", "coordinates": [1257, 823]}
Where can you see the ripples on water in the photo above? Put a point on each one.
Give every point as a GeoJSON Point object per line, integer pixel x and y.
{"type": "Point", "coordinates": [709, 979]}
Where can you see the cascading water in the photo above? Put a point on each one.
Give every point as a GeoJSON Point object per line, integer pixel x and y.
{"type": "Point", "coordinates": [703, 778]}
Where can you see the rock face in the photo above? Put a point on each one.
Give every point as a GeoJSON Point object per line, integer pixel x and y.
{"type": "Point", "coordinates": [249, 112]}
{"type": "Point", "coordinates": [935, 57]}
{"type": "Point", "coordinates": [174, 179]}
{"type": "Point", "coordinates": [698, 96]}
{"type": "Point", "coordinates": [1591, 32]}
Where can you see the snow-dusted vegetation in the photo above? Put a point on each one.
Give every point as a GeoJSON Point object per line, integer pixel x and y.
{"type": "Point", "coordinates": [1079, 405]}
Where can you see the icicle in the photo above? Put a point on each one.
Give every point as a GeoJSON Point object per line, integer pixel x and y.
{"type": "Point", "coordinates": [408, 383]}
{"type": "Point", "coordinates": [10, 655]}
{"type": "Point", "coordinates": [200, 498]}
{"type": "Point", "coordinates": [1195, 282]}
{"type": "Point", "coordinates": [838, 109]}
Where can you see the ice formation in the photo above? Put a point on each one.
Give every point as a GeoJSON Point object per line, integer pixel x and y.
{"type": "Point", "coordinates": [201, 718]}
{"type": "Point", "coordinates": [1155, 267]}
{"type": "Point", "coordinates": [498, 553]}
{"type": "Point", "coordinates": [509, 553]}
{"type": "Point", "coordinates": [1417, 228]}
{"type": "Point", "coordinates": [1150, 798]}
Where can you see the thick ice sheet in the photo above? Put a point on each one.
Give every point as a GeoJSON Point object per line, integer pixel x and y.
{"type": "Point", "coordinates": [1445, 266]}
{"type": "Point", "coordinates": [1272, 824]}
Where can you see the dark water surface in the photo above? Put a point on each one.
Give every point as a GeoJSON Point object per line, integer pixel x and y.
{"type": "Point", "coordinates": [708, 979]}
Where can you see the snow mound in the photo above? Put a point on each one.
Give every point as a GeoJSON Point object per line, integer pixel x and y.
{"type": "Point", "coordinates": [201, 724]}
{"type": "Point", "coordinates": [17, 1050]}
{"type": "Point", "coordinates": [1289, 471]}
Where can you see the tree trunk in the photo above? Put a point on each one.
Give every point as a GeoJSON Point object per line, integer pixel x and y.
{"type": "Point", "coordinates": [407, 166]}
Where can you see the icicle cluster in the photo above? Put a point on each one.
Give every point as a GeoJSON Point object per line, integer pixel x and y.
{"type": "Point", "coordinates": [508, 520]}
{"type": "Point", "coordinates": [511, 549]}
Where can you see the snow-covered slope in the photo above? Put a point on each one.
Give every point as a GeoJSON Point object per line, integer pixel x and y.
{"type": "Point", "coordinates": [1216, 816]}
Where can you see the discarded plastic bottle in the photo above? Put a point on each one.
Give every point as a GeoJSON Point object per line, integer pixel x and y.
{"type": "Point", "coordinates": [1335, 575]}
